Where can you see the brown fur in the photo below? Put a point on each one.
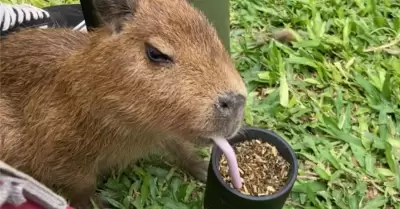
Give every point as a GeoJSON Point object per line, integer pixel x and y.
{"type": "Point", "coordinates": [75, 105]}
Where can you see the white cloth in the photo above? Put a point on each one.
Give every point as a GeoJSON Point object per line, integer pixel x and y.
{"type": "Point", "coordinates": [16, 187]}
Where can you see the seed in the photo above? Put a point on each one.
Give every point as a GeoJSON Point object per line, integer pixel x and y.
{"type": "Point", "coordinates": [261, 167]}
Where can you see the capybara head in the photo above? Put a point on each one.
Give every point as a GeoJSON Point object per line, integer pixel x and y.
{"type": "Point", "coordinates": [171, 71]}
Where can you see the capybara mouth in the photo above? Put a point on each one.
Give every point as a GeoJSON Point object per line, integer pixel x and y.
{"type": "Point", "coordinates": [229, 127]}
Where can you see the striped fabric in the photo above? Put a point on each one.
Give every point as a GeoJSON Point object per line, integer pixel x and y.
{"type": "Point", "coordinates": [20, 191]}
{"type": "Point", "coordinates": [15, 17]}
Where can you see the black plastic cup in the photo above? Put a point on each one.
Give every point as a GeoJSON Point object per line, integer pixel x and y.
{"type": "Point", "coordinates": [219, 195]}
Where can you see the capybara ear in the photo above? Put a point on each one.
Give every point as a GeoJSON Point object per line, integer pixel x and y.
{"type": "Point", "coordinates": [114, 13]}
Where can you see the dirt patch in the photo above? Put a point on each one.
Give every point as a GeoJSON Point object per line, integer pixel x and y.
{"type": "Point", "coordinates": [263, 170]}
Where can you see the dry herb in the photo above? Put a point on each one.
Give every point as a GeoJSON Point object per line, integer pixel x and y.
{"type": "Point", "coordinates": [263, 170]}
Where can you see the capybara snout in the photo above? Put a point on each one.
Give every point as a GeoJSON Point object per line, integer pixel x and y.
{"type": "Point", "coordinates": [229, 113]}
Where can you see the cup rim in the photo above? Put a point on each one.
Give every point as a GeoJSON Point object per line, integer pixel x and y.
{"type": "Point", "coordinates": [216, 152]}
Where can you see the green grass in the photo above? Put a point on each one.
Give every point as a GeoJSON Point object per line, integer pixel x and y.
{"type": "Point", "coordinates": [334, 95]}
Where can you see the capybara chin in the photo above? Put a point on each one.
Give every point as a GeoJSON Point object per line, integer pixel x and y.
{"type": "Point", "coordinates": [155, 78]}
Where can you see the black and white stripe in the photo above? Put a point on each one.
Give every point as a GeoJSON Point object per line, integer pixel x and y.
{"type": "Point", "coordinates": [81, 26]}
{"type": "Point", "coordinates": [15, 17]}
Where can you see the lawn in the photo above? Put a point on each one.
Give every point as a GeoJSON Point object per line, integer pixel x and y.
{"type": "Point", "coordinates": [334, 95]}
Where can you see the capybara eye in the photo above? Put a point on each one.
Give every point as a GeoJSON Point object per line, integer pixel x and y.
{"type": "Point", "coordinates": [155, 55]}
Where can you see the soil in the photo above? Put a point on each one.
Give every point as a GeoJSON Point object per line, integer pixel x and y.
{"type": "Point", "coordinates": [263, 170]}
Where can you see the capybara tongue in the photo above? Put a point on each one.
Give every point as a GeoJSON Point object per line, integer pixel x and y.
{"type": "Point", "coordinates": [232, 162]}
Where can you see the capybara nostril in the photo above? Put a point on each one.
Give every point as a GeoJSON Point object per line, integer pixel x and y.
{"type": "Point", "coordinates": [230, 103]}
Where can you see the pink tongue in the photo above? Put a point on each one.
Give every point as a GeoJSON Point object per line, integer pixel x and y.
{"type": "Point", "coordinates": [232, 162]}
